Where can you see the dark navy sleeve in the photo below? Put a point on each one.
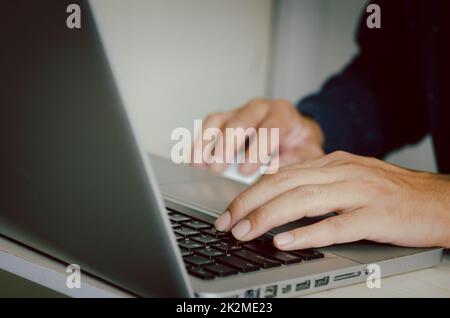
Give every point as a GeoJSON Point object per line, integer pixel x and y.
{"type": "Point", "coordinates": [374, 105]}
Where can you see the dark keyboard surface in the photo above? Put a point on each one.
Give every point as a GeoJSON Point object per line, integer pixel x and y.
{"type": "Point", "coordinates": [208, 253]}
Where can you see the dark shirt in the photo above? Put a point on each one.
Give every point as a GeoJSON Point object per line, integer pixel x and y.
{"type": "Point", "coordinates": [396, 90]}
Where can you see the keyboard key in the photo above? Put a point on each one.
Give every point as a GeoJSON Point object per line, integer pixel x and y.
{"type": "Point", "coordinates": [197, 225]}
{"type": "Point", "coordinates": [227, 247]}
{"type": "Point", "coordinates": [242, 265]}
{"type": "Point", "coordinates": [261, 260]}
{"type": "Point", "coordinates": [201, 273]}
{"type": "Point", "coordinates": [264, 239]}
{"type": "Point", "coordinates": [185, 231]}
{"type": "Point", "coordinates": [185, 252]}
{"type": "Point", "coordinates": [221, 270]}
{"type": "Point", "coordinates": [205, 239]}
{"type": "Point", "coordinates": [209, 252]}
{"type": "Point", "coordinates": [197, 260]}
{"type": "Point", "coordinates": [272, 252]}
{"type": "Point", "coordinates": [214, 232]}
{"type": "Point", "coordinates": [308, 254]}
{"type": "Point", "coordinates": [190, 245]}
{"type": "Point", "coordinates": [177, 217]}
{"type": "Point", "coordinates": [229, 238]}
{"type": "Point", "coordinates": [176, 225]}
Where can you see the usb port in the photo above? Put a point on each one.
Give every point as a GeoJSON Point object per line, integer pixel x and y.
{"type": "Point", "coordinates": [347, 276]}
{"type": "Point", "coordinates": [303, 285]}
{"type": "Point", "coordinates": [252, 293]}
{"type": "Point", "coordinates": [271, 291]}
{"type": "Point", "coordinates": [322, 281]}
{"type": "Point", "coordinates": [286, 289]}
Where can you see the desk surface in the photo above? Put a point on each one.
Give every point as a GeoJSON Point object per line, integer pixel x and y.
{"type": "Point", "coordinates": [26, 263]}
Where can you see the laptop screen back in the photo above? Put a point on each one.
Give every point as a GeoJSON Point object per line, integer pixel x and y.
{"type": "Point", "coordinates": [73, 181]}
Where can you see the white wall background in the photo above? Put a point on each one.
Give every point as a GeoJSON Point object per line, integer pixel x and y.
{"type": "Point", "coordinates": [178, 60]}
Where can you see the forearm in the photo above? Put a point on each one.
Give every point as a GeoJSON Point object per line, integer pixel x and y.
{"type": "Point", "coordinates": [348, 115]}
{"type": "Point", "coordinates": [435, 197]}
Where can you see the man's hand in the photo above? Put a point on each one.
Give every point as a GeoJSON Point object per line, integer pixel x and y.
{"type": "Point", "coordinates": [374, 200]}
{"type": "Point", "coordinates": [300, 137]}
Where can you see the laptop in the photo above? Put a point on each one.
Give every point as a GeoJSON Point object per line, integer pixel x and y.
{"type": "Point", "coordinates": [77, 186]}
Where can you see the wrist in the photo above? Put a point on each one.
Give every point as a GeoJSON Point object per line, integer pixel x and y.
{"type": "Point", "coordinates": [447, 209]}
{"type": "Point", "coordinates": [440, 203]}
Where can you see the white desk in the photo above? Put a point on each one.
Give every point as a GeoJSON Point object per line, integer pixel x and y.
{"type": "Point", "coordinates": [45, 271]}
{"type": "Point", "coordinates": [21, 261]}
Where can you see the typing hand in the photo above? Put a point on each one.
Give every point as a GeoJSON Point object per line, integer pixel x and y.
{"type": "Point", "coordinates": [300, 137]}
{"type": "Point", "coordinates": [374, 200]}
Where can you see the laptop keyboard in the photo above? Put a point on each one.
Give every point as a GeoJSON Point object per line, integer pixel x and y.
{"type": "Point", "coordinates": [208, 253]}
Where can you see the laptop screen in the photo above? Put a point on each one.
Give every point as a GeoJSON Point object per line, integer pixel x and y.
{"type": "Point", "coordinates": [73, 180]}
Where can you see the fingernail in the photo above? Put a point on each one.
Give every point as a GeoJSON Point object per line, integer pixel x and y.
{"type": "Point", "coordinates": [241, 229]}
{"type": "Point", "coordinates": [284, 239]}
{"type": "Point", "coordinates": [223, 221]}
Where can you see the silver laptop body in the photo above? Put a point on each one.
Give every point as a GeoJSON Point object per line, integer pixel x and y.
{"type": "Point", "coordinates": [204, 195]}
{"type": "Point", "coordinates": [77, 186]}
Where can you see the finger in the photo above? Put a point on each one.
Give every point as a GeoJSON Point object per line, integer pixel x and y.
{"type": "Point", "coordinates": [309, 200]}
{"type": "Point", "coordinates": [242, 119]}
{"type": "Point", "coordinates": [219, 165]}
{"type": "Point", "coordinates": [270, 187]}
{"type": "Point", "coordinates": [250, 163]}
{"type": "Point", "coordinates": [339, 229]}
{"type": "Point", "coordinates": [245, 121]}
{"type": "Point", "coordinates": [264, 144]}
{"type": "Point", "coordinates": [280, 115]}
{"type": "Point", "coordinates": [212, 121]}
